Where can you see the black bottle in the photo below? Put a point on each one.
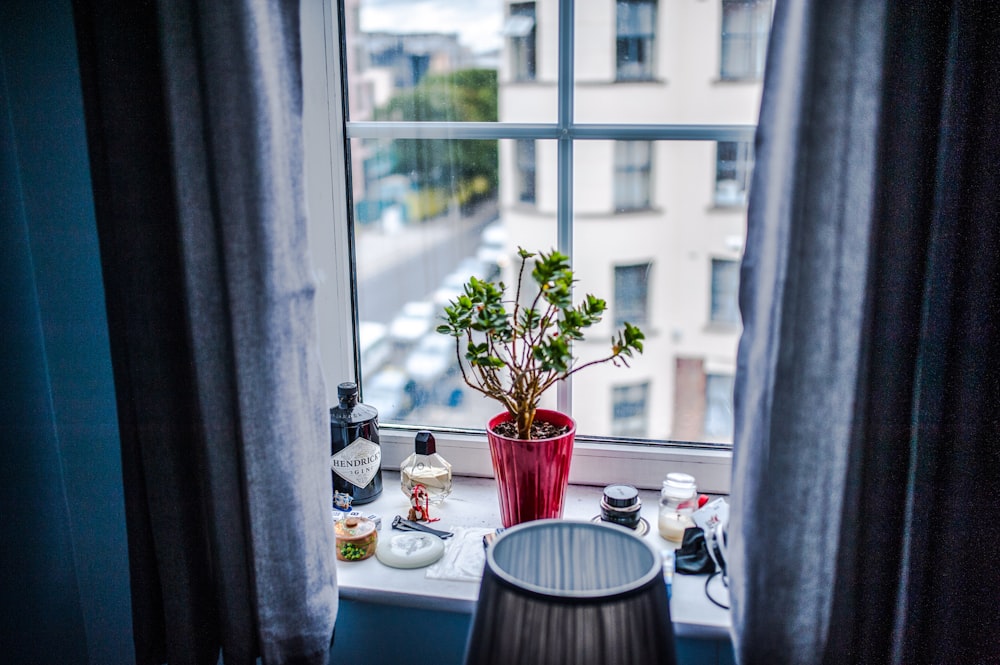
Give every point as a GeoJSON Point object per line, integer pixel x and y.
{"type": "Point", "coordinates": [355, 450]}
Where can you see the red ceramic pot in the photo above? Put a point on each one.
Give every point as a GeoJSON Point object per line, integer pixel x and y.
{"type": "Point", "coordinates": [531, 475]}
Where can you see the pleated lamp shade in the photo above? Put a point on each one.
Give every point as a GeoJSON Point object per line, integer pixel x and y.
{"type": "Point", "coordinates": [571, 593]}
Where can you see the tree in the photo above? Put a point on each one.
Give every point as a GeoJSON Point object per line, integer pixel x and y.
{"type": "Point", "coordinates": [468, 95]}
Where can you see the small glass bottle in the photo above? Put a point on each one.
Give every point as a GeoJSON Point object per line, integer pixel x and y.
{"type": "Point", "coordinates": [678, 499]}
{"type": "Point", "coordinates": [425, 467]}
{"type": "Point", "coordinates": [355, 449]}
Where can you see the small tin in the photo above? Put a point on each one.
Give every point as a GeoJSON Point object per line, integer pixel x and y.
{"type": "Point", "coordinates": [357, 538]}
{"type": "Point", "coordinates": [621, 505]}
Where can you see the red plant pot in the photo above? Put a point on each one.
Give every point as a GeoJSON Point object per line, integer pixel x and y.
{"type": "Point", "coordinates": [531, 475]}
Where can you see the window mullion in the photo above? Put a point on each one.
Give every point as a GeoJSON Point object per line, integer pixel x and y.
{"type": "Point", "coordinates": [564, 206]}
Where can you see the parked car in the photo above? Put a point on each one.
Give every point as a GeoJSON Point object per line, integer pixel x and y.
{"type": "Point", "coordinates": [391, 392]}
{"type": "Point", "coordinates": [413, 322]}
{"type": "Point", "coordinates": [373, 346]}
{"type": "Point", "coordinates": [429, 365]}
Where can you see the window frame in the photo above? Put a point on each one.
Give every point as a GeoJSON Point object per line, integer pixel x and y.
{"type": "Point", "coordinates": [596, 460]}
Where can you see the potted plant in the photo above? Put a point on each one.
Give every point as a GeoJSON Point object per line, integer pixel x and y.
{"type": "Point", "coordinates": [514, 352]}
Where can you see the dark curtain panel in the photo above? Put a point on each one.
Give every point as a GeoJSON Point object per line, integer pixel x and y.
{"type": "Point", "coordinates": [866, 485]}
{"type": "Point", "coordinates": [194, 112]}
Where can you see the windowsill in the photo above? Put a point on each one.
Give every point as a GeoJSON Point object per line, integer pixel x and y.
{"type": "Point", "coordinates": [473, 504]}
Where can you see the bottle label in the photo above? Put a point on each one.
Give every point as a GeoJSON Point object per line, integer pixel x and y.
{"type": "Point", "coordinates": [357, 463]}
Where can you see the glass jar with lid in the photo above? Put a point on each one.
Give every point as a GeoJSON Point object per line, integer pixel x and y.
{"type": "Point", "coordinates": [678, 500]}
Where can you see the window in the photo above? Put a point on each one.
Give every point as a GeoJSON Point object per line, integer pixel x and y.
{"type": "Point", "coordinates": [725, 290]}
{"type": "Point", "coordinates": [521, 30]}
{"type": "Point", "coordinates": [745, 28]}
{"type": "Point", "coordinates": [525, 170]}
{"type": "Point", "coordinates": [443, 153]}
{"type": "Point", "coordinates": [719, 406]}
{"type": "Point", "coordinates": [632, 175]}
{"type": "Point", "coordinates": [631, 289]}
{"type": "Point", "coordinates": [636, 21]}
{"type": "Point", "coordinates": [733, 168]}
{"type": "Point", "coordinates": [628, 418]}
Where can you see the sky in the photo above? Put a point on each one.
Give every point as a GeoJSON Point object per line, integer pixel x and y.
{"type": "Point", "coordinates": [478, 22]}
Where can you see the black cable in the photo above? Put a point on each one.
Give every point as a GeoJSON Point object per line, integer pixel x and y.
{"type": "Point", "coordinates": [709, 596]}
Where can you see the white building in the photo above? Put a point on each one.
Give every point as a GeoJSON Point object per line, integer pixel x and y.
{"type": "Point", "coordinates": [658, 226]}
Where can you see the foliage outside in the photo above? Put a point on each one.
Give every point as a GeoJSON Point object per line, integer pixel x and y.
{"type": "Point", "coordinates": [514, 357]}
{"type": "Point", "coordinates": [468, 95]}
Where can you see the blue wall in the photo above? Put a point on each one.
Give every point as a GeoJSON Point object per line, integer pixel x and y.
{"type": "Point", "coordinates": [63, 563]}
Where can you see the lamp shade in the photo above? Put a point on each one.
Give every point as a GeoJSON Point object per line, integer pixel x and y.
{"type": "Point", "coordinates": [563, 592]}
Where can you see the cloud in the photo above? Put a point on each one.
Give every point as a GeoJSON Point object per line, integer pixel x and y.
{"type": "Point", "coordinates": [478, 22]}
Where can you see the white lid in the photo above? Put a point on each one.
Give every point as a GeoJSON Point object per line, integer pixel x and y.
{"type": "Point", "coordinates": [679, 486]}
{"type": "Point", "coordinates": [412, 549]}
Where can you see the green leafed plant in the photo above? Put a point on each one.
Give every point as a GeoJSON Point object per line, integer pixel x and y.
{"type": "Point", "coordinates": [514, 352]}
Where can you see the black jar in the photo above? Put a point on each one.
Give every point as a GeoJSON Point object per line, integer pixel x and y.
{"type": "Point", "coordinates": [621, 505]}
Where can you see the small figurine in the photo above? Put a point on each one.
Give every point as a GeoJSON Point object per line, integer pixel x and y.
{"type": "Point", "coordinates": [420, 505]}
{"type": "Point", "coordinates": [342, 501]}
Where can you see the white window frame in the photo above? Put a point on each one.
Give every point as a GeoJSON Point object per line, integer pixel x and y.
{"type": "Point", "coordinates": [596, 460]}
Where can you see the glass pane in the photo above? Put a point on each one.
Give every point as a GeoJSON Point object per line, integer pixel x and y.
{"type": "Point", "coordinates": [449, 60]}
{"type": "Point", "coordinates": [655, 268]}
{"type": "Point", "coordinates": [649, 62]}
{"type": "Point", "coordinates": [428, 215]}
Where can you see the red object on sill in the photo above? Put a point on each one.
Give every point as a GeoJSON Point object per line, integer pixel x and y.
{"type": "Point", "coordinates": [702, 500]}
{"type": "Point", "coordinates": [531, 475]}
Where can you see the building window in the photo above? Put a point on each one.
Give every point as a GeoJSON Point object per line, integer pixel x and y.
{"type": "Point", "coordinates": [628, 416]}
{"type": "Point", "coordinates": [719, 407]}
{"type": "Point", "coordinates": [636, 39]}
{"type": "Point", "coordinates": [733, 168]}
{"type": "Point", "coordinates": [633, 169]}
{"type": "Point", "coordinates": [525, 159]}
{"type": "Point", "coordinates": [631, 294]}
{"type": "Point", "coordinates": [745, 28]}
{"type": "Point", "coordinates": [520, 29]}
{"type": "Point", "coordinates": [725, 290]}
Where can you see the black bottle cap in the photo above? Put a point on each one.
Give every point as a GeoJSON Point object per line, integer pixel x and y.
{"type": "Point", "coordinates": [424, 443]}
{"type": "Point", "coordinates": [347, 394]}
{"type": "Point", "coordinates": [621, 496]}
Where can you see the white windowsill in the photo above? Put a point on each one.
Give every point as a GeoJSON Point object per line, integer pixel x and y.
{"type": "Point", "coordinates": [473, 503]}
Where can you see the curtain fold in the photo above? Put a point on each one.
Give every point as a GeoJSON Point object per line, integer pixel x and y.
{"type": "Point", "coordinates": [194, 113]}
{"type": "Point", "coordinates": [866, 466]}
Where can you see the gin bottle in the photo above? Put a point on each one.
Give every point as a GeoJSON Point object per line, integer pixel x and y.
{"type": "Point", "coordinates": [355, 450]}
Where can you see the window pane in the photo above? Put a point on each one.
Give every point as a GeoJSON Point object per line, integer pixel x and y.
{"type": "Point", "coordinates": [629, 404]}
{"type": "Point", "coordinates": [719, 407]}
{"type": "Point", "coordinates": [631, 294]}
{"type": "Point", "coordinates": [398, 46]}
{"type": "Point", "coordinates": [733, 169]}
{"type": "Point", "coordinates": [725, 291]}
{"type": "Point", "coordinates": [636, 38]}
{"type": "Point", "coordinates": [745, 28]}
{"type": "Point", "coordinates": [428, 219]}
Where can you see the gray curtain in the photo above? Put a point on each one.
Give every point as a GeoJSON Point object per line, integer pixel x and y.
{"type": "Point", "coordinates": [866, 475]}
{"type": "Point", "coordinates": [194, 113]}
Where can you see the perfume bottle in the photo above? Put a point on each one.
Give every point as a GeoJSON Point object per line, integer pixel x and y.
{"type": "Point", "coordinates": [425, 467]}
{"type": "Point", "coordinates": [355, 450]}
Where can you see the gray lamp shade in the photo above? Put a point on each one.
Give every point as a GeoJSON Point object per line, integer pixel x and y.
{"type": "Point", "coordinates": [571, 593]}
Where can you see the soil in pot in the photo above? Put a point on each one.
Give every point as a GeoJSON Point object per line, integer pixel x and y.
{"type": "Point", "coordinates": [539, 429]}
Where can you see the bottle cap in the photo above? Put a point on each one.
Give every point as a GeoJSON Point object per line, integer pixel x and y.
{"type": "Point", "coordinates": [347, 394]}
{"type": "Point", "coordinates": [621, 496]}
{"type": "Point", "coordinates": [679, 486]}
{"type": "Point", "coordinates": [424, 444]}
